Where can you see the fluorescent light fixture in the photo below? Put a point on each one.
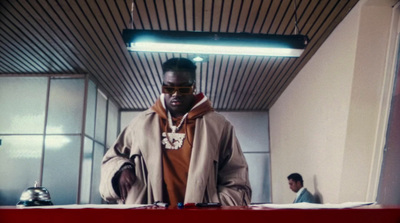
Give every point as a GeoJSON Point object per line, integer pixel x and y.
{"type": "Point", "coordinates": [214, 43]}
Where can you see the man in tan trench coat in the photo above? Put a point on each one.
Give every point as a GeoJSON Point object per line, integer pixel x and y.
{"type": "Point", "coordinates": [178, 151]}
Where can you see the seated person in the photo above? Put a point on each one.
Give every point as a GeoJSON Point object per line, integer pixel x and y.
{"type": "Point", "coordinates": [296, 185]}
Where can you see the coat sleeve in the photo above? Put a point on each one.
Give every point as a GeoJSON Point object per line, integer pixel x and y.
{"type": "Point", "coordinates": [116, 157]}
{"type": "Point", "coordinates": [233, 180]}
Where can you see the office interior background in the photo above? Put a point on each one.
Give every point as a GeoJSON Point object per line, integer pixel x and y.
{"type": "Point", "coordinates": [335, 123]}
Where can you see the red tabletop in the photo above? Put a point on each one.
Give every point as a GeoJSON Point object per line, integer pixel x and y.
{"type": "Point", "coordinates": [200, 215]}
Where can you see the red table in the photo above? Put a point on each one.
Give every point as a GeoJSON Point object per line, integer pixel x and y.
{"type": "Point", "coordinates": [201, 215]}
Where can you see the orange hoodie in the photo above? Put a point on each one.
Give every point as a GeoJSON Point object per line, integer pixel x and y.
{"type": "Point", "coordinates": [176, 161]}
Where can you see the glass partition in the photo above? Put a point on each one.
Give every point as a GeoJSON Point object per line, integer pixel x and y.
{"type": "Point", "coordinates": [101, 113]}
{"type": "Point", "coordinates": [90, 109]}
{"type": "Point", "coordinates": [65, 106]}
{"type": "Point", "coordinates": [259, 176]}
{"type": "Point", "coordinates": [97, 157]}
{"type": "Point", "coordinates": [86, 177]}
{"type": "Point", "coordinates": [20, 159]}
{"type": "Point", "coordinates": [23, 104]}
{"type": "Point", "coordinates": [112, 124]}
{"type": "Point", "coordinates": [41, 137]}
{"type": "Point", "coordinates": [61, 168]}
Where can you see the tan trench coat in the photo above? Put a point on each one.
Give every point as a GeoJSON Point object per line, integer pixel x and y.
{"type": "Point", "coordinates": [218, 171]}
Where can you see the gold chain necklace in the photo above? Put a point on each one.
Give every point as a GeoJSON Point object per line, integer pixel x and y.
{"type": "Point", "coordinates": [173, 140]}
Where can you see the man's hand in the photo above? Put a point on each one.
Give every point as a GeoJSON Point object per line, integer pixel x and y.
{"type": "Point", "coordinates": [126, 180]}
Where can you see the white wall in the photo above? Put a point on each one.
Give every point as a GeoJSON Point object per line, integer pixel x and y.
{"type": "Point", "coordinates": [326, 124]}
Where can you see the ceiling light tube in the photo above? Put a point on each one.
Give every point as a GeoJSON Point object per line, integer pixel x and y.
{"type": "Point", "coordinates": [214, 43]}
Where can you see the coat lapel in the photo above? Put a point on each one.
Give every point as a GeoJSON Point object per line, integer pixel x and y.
{"type": "Point", "coordinates": [201, 162]}
{"type": "Point", "coordinates": [153, 155]}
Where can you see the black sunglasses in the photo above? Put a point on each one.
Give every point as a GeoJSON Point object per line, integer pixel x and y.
{"type": "Point", "coordinates": [181, 90]}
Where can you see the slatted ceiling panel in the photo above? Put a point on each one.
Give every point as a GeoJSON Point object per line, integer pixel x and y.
{"type": "Point", "coordinates": [122, 14]}
{"type": "Point", "coordinates": [220, 62]}
{"type": "Point", "coordinates": [135, 20]}
{"type": "Point", "coordinates": [147, 17]}
{"type": "Point", "coordinates": [260, 11]}
{"type": "Point", "coordinates": [144, 91]}
{"type": "Point", "coordinates": [180, 12]}
{"type": "Point", "coordinates": [16, 18]}
{"type": "Point", "coordinates": [265, 82]}
{"type": "Point", "coordinates": [227, 84]}
{"type": "Point", "coordinates": [155, 72]}
{"type": "Point", "coordinates": [122, 64]}
{"type": "Point", "coordinates": [221, 84]}
{"type": "Point", "coordinates": [278, 16]}
{"type": "Point", "coordinates": [236, 14]}
{"type": "Point", "coordinates": [211, 78]}
{"type": "Point", "coordinates": [56, 44]}
{"type": "Point", "coordinates": [261, 82]}
{"type": "Point", "coordinates": [269, 17]}
{"type": "Point", "coordinates": [201, 81]}
{"type": "Point", "coordinates": [206, 15]}
{"type": "Point", "coordinates": [223, 23]}
{"type": "Point", "coordinates": [6, 67]}
{"type": "Point", "coordinates": [11, 57]}
{"type": "Point", "coordinates": [198, 11]}
{"type": "Point", "coordinates": [249, 83]}
{"type": "Point", "coordinates": [220, 87]}
{"type": "Point", "coordinates": [75, 37]}
{"type": "Point", "coordinates": [269, 78]}
{"type": "Point", "coordinates": [170, 15]}
{"type": "Point", "coordinates": [6, 57]}
{"type": "Point", "coordinates": [215, 16]}
{"type": "Point", "coordinates": [156, 22]}
{"type": "Point", "coordinates": [221, 16]}
{"type": "Point", "coordinates": [235, 81]}
{"type": "Point", "coordinates": [241, 16]}
{"type": "Point", "coordinates": [171, 12]}
{"type": "Point", "coordinates": [245, 74]}
{"type": "Point", "coordinates": [151, 76]}
{"type": "Point", "coordinates": [302, 8]}
{"type": "Point", "coordinates": [286, 20]}
{"type": "Point", "coordinates": [38, 62]}
{"type": "Point", "coordinates": [151, 17]}
{"type": "Point", "coordinates": [220, 67]}
{"type": "Point", "coordinates": [241, 77]}
{"type": "Point", "coordinates": [277, 74]}
{"type": "Point", "coordinates": [9, 40]}
{"type": "Point", "coordinates": [251, 12]}
{"type": "Point", "coordinates": [187, 15]}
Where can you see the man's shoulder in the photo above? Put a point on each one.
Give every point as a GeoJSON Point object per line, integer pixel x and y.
{"type": "Point", "coordinates": [216, 118]}
{"type": "Point", "coordinates": [142, 116]}
{"type": "Point", "coordinates": [307, 196]}
{"type": "Point", "coordinates": [306, 191]}
{"type": "Point", "coordinates": [214, 115]}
